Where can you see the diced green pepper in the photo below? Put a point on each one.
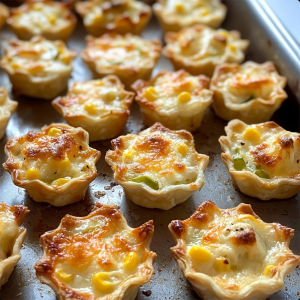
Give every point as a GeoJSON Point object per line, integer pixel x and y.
{"type": "Point", "coordinates": [239, 163]}
{"type": "Point", "coordinates": [261, 174]}
{"type": "Point", "coordinates": [148, 181]}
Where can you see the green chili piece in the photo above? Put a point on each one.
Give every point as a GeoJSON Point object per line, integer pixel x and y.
{"type": "Point", "coordinates": [148, 181]}
{"type": "Point", "coordinates": [262, 174]}
{"type": "Point", "coordinates": [239, 163]}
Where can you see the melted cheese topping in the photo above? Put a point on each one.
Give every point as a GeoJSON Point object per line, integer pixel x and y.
{"type": "Point", "coordinates": [270, 148]}
{"type": "Point", "coordinates": [38, 57]}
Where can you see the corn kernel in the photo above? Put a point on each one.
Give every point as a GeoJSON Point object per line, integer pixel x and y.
{"type": "Point", "coordinates": [183, 149]}
{"type": "Point", "coordinates": [37, 6]}
{"type": "Point", "coordinates": [61, 275]}
{"type": "Point", "coordinates": [205, 11]}
{"type": "Point", "coordinates": [52, 19]}
{"type": "Point", "coordinates": [32, 174]}
{"type": "Point", "coordinates": [54, 132]}
{"type": "Point", "coordinates": [268, 270]}
{"type": "Point", "coordinates": [222, 265]}
{"type": "Point", "coordinates": [184, 97]}
{"type": "Point", "coordinates": [60, 181]}
{"type": "Point", "coordinates": [223, 33]}
{"type": "Point", "coordinates": [232, 48]}
{"type": "Point", "coordinates": [249, 217]}
{"type": "Point", "coordinates": [99, 82]}
{"type": "Point", "coordinates": [128, 154]}
{"type": "Point", "coordinates": [60, 49]}
{"type": "Point", "coordinates": [251, 134]}
{"type": "Point", "coordinates": [150, 94]}
{"type": "Point", "coordinates": [131, 261]}
{"type": "Point", "coordinates": [65, 59]}
{"type": "Point", "coordinates": [179, 7]}
{"type": "Point", "coordinates": [102, 283]}
{"type": "Point", "coordinates": [15, 65]}
{"type": "Point", "coordinates": [65, 163]}
{"type": "Point", "coordinates": [199, 254]}
{"type": "Point", "coordinates": [90, 108]}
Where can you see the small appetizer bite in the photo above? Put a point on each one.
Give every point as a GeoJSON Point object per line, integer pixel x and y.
{"type": "Point", "coordinates": [38, 68]}
{"type": "Point", "coordinates": [54, 165]}
{"type": "Point", "coordinates": [250, 92]}
{"type": "Point", "coordinates": [232, 253]}
{"type": "Point", "coordinates": [129, 57]}
{"type": "Point", "coordinates": [4, 14]}
{"type": "Point", "coordinates": [97, 257]}
{"type": "Point", "coordinates": [175, 99]}
{"type": "Point", "coordinates": [176, 15]}
{"type": "Point", "coordinates": [158, 168]}
{"type": "Point", "coordinates": [7, 108]}
{"type": "Point", "coordinates": [200, 49]}
{"type": "Point", "coordinates": [263, 159]}
{"type": "Point", "coordinates": [121, 16]}
{"type": "Point", "coordinates": [11, 238]}
{"type": "Point", "coordinates": [50, 19]}
{"type": "Point", "coordinates": [101, 107]}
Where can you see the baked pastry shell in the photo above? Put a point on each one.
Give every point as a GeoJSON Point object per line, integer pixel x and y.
{"type": "Point", "coordinates": [70, 192]}
{"type": "Point", "coordinates": [249, 183]}
{"type": "Point", "coordinates": [105, 126]}
{"type": "Point", "coordinates": [7, 265]}
{"type": "Point", "coordinates": [128, 290]}
{"type": "Point", "coordinates": [255, 111]}
{"type": "Point", "coordinates": [168, 196]}
{"type": "Point", "coordinates": [4, 14]}
{"type": "Point", "coordinates": [205, 286]}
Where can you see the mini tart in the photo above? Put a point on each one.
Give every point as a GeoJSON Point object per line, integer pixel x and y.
{"type": "Point", "coordinates": [54, 165]}
{"type": "Point", "coordinates": [11, 238]}
{"type": "Point", "coordinates": [263, 159]}
{"type": "Point", "coordinates": [38, 68]}
{"type": "Point", "coordinates": [7, 107]}
{"type": "Point", "coordinates": [97, 257]}
{"type": "Point", "coordinates": [121, 16]}
{"type": "Point", "coordinates": [232, 254]}
{"type": "Point", "coordinates": [101, 107]}
{"type": "Point", "coordinates": [200, 49]}
{"type": "Point", "coordinates": [250, 92]}
{"type": "Point", "coordinates": [50, 19]}
{"type": "Point", "coordinates": [158, 168]}
{"type": "Point", "coordinates": [176, 15]}
{"type": "Point", "coordinates": [4, 14]}
{"type": "Point", "coordinates": [129, 57]}
{"type": "Point", "coordinates": [175, 99]}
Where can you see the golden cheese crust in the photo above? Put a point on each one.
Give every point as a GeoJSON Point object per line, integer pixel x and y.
{"type": "Point", "coordinates": [50, 19]}
{"type": "Point", "coordinates": [38, 68]}
{"type": "Point", "coordinates": [175, 99]}
{"type": "Point", "coordinates": [158, 168]}
{"type": "Point", "coordinates": [128, 57]}
{"type": "Point", "coordinates": [101, 107]}
{"type": "Point", "coordinates": [7, 108]}
{"type": "Point", "coordinates": [54, 165]}
{"type": "Point", "coordinates": [11, 238]}
{"type": "Point", "coordinates": [200, 49]}
{"type": "Point", "coordinates": [97, 257]}
{"type": "Point", "coordinates": [4, 14]}
{"type": "Point", "coordinates": [121, 16]}
{"type": "Point", "coordinates": [232, 253]}
{"type": "Point", "coordinates": [176, 15]}
{"type": "Point", "coordinates": [250, 92]}
{"type": "Point", "coordinates": [263, 159]}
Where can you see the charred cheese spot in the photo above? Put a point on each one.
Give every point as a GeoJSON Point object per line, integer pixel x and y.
{"type": "Point", "coordinates": [244, 237]}
{"type": "Point", "coordinates": [286, 142]}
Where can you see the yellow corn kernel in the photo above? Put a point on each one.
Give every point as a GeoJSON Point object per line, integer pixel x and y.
{"type": "Point", "coordinates": [60, 49]}
{"type": "Point", "coordinates": [90, 108]}
{"type": "Point", "coordinates": [268, 270]}
{"type": "Point", "coordinates": [32, 174]}
{"type": "Point", "coordinates": [251, 134]}
{"type": "Point", "coordinates": [60, 181]}
{"type": "Point", "coordinates": [102, 283]}
{"type": "Point", "coordinates": [128, 154]}
{"type": "Point", "coordinates": [184, 97]}
{"type": "Point", "coordinates": [99, 82]}
{"type": "Point", "coordinates": [222, 265]}
{"type": "Point", "coordinates": [150, 94]}
{"type": "Point", "coordinates": [205, 12]}
{"type": "Point", "coordinates": [179, 7]}
{"type": "Point", "coordinates": [249, 217]}
{"type": "Point", "coordinates": [65, 59]}
{"type": "Point", "coordinates": [15, 65]}
{"type": "Point", "coordinates": [223, 33]}
{"type": "Point", "coordinates": [54, 132]}
{"type": "Point", "coordinates": [232, 48]}
{"type": "Point", "coordinates": [61, 275]}
{"type": "Point", "coordinates": [199, 254]}
{"type": "Point", "coordinates": [131, 261]}
{"type": "Point", "coordinates": [183, 149]}
{"type": "Point", "coordinates": [52, 19]}
{"type": "Point", "coordinates": [37, 6]}
{"type": "Point", "coordinates": [65, 163]}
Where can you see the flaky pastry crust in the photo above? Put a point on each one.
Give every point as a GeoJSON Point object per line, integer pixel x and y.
{"type": "Point", "coordinates": [200, 49]}
{"type": "Point", "coordinates": [128, 57]}
{"type": "Point", "coordinates": [97, 257]}
{"type": "Point", "coordinates": [11, 238]}
{"type": "Point", "coordinates": [121, 16]}
{"type": "Point", "coordinates": [4, 14]}
{"type": "Point", "coordinates": [50, 19]}
{"type": "Point", "coordinates": [7, 108]}
{"type": "Point", "coordinates": [176, 15]}
{"type": "Point", "coordinates": [54, 165]}
{"type": "Point", "coordinates": [101, 107]}
{"type": "Point", "coordinates": [263, 159]}
{"type": "Point", "coordinates": [231, 253]}
{"type": "Point", "coordinates": [158, 168]}
{"type": "Point", "coordinates": [175, 99]}
{"type": "Point", "coordinates": [250, 92]}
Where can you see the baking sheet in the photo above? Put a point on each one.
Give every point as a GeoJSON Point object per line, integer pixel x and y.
{"type": "Point", "coordinates": [168, 281]}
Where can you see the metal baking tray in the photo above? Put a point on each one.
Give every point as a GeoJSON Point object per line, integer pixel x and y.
{"type": "Point", "coordinates": [267, 43]}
